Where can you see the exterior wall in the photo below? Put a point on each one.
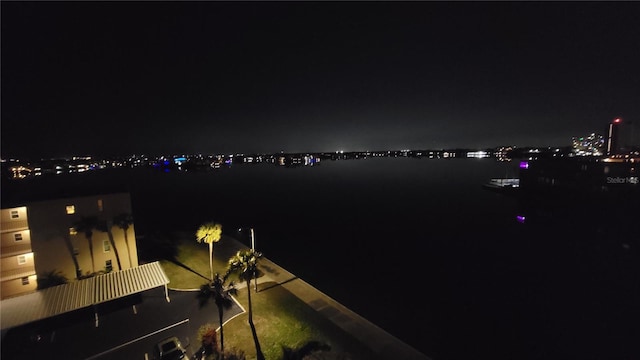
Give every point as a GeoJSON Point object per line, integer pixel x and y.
{"type": "Point", "coordinates": [42, 236]}
{"type": "Point", "coordinates": [12, 239]}
{"type": "Point", "coordinates": [17, 287]}
{"type": "Point", "coordinates": [17, 266]}
{"type": "Point", "coordinates": [54, 242]}
{"type": "Point", "coordinates": [9, 221]}
{"type": "Point", "coordinates": [133, 247]}
{"type": "Point", "coordinates": [124, 252]}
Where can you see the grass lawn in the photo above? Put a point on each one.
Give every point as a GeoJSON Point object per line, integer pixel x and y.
{"type": "Point", "coordinates": [280, 318]}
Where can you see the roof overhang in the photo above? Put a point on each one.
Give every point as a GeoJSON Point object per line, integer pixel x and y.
{"type": "Point", "coordinates": [79, 294]}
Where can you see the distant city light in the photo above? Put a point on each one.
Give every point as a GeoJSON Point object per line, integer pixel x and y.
{"type": "Point", "coordinates": [617, 120]}
{"type": "Point", "coordinates": [524, 164]}
{"type": "Point", "coordinates": [477, 154]}
{"type": "Point", "coordinates": [520, 219]}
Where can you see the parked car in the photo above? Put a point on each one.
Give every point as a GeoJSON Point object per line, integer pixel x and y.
{"type": "Point", "coordinates": [171, 349]}
{"type": "Point", "coordinates": [200, 354]}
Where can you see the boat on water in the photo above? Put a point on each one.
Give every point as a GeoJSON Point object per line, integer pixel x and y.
{"type": "Point", "coordinates": [503, 185]}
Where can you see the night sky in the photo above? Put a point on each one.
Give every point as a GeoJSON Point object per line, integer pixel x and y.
{"type": "Point", "coordinates": [120, 78]}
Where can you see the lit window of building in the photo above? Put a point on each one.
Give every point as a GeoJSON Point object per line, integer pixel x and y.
{"type": "Point", "coordinates": [71, 209]}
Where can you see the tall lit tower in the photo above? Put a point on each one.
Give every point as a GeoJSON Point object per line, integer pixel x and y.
{"type": "Point", "coordinates": [613, 139]}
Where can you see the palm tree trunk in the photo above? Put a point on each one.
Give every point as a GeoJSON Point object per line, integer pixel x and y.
{"type": "Point", "coordinates": [73, 256]}
{"type": "Point", "coordinates": [249, 301]}
{"type": "Point", "coordinates": [113, 245]}
{"type": "Point", "coordinates": [126, 241]}
{"type": "Point", "coordinates": [259, 354]}
{"type": "Point", "coordinates": [211, 259]}
{"type": "Point", "coordinates": [93, 265]}
{"type": "Point", "coordinates": [220, 311]}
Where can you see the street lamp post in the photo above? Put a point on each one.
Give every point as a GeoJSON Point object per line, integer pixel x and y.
{"type": "Point", "coordinates": [253, 241]}
{"type": "Point", "coordinates": [253, 248]}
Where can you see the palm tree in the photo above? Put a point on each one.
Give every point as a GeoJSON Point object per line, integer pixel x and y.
{"type": "Point", "coordinates": [244, 264]}
{"type": "Point", "coordinates": [105, 226]}
{"type": "Point", "coordinates": [86, 225]}
{"type": "Point", "coordinates": [221, 295]}
{"type": "Point", "coordinates": [51, 278]}
{"type": "Point", "coordinates": [69, 245]}
{"type": "Point", "coordinates": [124, 221]}
{"type": "Point", "coordinates": [209, 232]}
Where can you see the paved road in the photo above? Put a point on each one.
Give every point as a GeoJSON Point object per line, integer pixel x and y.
{"type": "Point", "coordinates": [127, 329]}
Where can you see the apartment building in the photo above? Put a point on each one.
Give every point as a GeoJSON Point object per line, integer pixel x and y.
{"type": "Point", "coordinates": [74, 237]}
{"type": "Point", "coordinates": [17, 267]}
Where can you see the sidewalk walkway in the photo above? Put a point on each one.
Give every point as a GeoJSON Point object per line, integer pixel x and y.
{"type": "Point", "coordinates": [380, 341]}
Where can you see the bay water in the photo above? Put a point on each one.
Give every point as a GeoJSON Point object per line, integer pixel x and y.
{"type": "Point", "coordinates": [417, 247]}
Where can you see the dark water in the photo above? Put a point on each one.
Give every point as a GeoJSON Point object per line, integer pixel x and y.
{"type": "Point", "coordinates": [421, 250]}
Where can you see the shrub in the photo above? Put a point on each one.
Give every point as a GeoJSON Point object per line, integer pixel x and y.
{"type": "Point", "coordinates": [208, 337]}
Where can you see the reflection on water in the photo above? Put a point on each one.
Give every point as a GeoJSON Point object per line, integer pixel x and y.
{"type": "Point", "coordinates": [422, 250]}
